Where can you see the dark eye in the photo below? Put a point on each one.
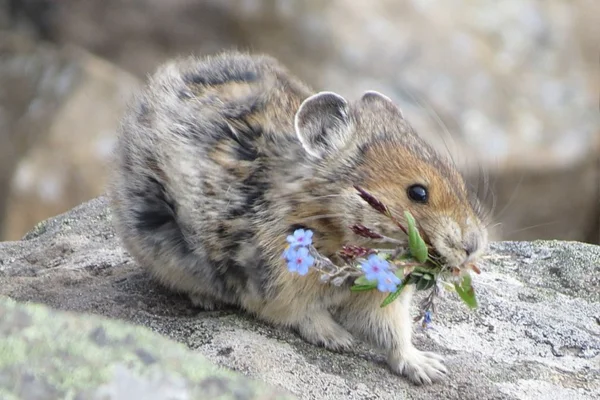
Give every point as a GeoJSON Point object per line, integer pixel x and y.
{"type": "Point", "coordinates": [418, 193]}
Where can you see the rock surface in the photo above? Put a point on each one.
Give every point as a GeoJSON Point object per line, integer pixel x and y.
{"type": "Point", "coordinates": [48, 354]}
{"type": "Point", "coordinates": [536, 334]}
{"type": "Point", "coordinates": [59, 111]}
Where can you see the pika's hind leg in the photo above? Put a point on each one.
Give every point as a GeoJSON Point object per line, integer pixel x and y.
{"type": "Point", "coordinates": [313, 323]}
{"type": "Point", "coordinates": [390, 329]}
{"type": "Point", "coordinates": [321, 329]}
{"type": "Point", "coordinates": [205, 302]}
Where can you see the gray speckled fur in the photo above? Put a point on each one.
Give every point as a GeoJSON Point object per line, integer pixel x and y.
{"type": "Point", "coordinates": [211, 176]}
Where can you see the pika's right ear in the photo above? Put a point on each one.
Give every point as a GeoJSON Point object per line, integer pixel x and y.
{"type": "Point", "coordinates": [323, 124]}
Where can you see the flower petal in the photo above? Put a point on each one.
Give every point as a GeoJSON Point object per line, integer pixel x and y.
{"type": "Point", "coordinates": [290, 254]}
{"type": "Point", "coordinates": [302, 252]}
{"type": "Point", "coordinates": [303, 269]}
{"type": "Point", "coordinates": [310, 260]}
{"type": "Point", "coordinates": [292, 267]}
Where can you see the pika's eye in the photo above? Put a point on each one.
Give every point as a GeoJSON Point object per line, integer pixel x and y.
{"type": "Point", "coordinates": [418, 193]}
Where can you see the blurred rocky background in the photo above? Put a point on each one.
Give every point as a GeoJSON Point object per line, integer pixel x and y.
{"type": "Point", "coordinates": [510, 89]}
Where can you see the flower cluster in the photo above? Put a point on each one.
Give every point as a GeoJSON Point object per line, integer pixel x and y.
{"type": "Point", "coordinates": [297, 253]}
{"type": "Point", "coordinates": [377, 269]}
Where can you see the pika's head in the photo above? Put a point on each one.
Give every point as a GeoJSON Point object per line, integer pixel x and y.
{"type": "Point", "coordinates": [370, 144]}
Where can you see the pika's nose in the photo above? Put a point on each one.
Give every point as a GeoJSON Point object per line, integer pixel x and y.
{"type": "Point", "coordinates": [470, 247]}
{"type": "Point", "coordinates": [468, 250]}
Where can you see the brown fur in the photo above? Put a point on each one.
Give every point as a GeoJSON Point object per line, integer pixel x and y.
{"type": "Point", "coordinates": [220, 158]}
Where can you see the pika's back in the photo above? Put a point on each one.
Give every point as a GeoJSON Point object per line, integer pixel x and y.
{"type": "Point", "coordinates": [200, 124]}
{"type": "Point", "coordinates": [188, 93]}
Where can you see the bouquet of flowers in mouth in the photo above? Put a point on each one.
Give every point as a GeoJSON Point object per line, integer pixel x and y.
{"type": "Point", "coordinates": [388, 270]}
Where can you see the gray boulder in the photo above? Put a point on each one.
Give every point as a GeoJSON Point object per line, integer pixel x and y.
{"type": "Point", "coordinates": [535, 335]}
{"type": "Point", "coordinates": [49, 354]}
{"type": "Point", "coordinates": [54, 100]}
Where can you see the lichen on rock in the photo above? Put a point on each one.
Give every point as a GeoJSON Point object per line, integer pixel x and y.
{"type": "Point", "coordinates": [46, 353]}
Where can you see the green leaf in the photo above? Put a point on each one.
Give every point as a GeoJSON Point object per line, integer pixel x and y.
{"type": "Point", "coordinates": [425, 282]}
{"type": "Point", "coordinates": [392, 296]}
{"type": "Point", "coordinates": [362, 288]}
{"type": "Point", "coordinates": [362, 284]}
{"type": "Point", "coordinates": [362, 280]}
{"type": "Point", "coordinates": [399, 273]}
{"type": "Point", "coordinates": [448, 286]}
{"type": "Point", "coordinates": [427, 269]}
{"type": "Point", "coordinates": [417, 245]}
{"type": "Point", "coordinates": [466, 292]}
{"type": "Point", "coordinates": [434, 262]}
{"type": "Point", "coordinates": [412, 278]}
{"type": "Point", "coordinates": [407, 256]}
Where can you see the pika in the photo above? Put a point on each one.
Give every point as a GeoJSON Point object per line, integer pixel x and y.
{"type": "Point", "coordinates": [219, 158]}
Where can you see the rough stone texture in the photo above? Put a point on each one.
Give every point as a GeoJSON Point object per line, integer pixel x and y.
{"type": "Point", "coordinates": [59, 111]}
{"type": "Point", "coordinates": [48, 354]}
{"type": "Point", "coordinates": [536, 334]}
{"type": "Point", "coordinates": [511, 86]}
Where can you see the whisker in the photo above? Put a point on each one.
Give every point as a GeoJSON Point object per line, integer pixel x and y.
{"type": "Point", "coordinates": [533, 226]}
{"type": "Point", "coordinates": [512, 196]}
{"type": "Point", "coordinates": [493, 226]}
{"type": "Point", "coordinates": [489, 191]}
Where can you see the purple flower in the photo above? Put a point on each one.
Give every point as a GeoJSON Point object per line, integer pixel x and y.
{"type": "Point", "coordinates": [299, 260]}
{"type": "Point", "coordinates": [300, 237]}
{"type": "Point", "coordinates": [375, 267]}
{"type": "Point", "coordinates": [388, 282]}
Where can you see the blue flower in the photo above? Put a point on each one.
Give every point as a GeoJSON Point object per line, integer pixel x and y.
{"type": "Point", "coordinates": [299, 260]}
{"type": "Point", "coordinates": [426, 320]}
{"type": "Point", "coordinates": [388, 282]}
{"type": "Point", "coordinates": [375, 267]}
{"type": "Point", "coordinates": [378, 269]}
{"type": "Point", "coordinates": [300, 237]}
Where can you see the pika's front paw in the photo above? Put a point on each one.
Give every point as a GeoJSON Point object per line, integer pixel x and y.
{"type": "Point", "coordinates": [420, 367]}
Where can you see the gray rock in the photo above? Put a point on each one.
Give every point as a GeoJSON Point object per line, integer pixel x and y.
{"type": "Point", "coordinates": [535, 335]}
{"type": "Point", "coordinates": [49, 354]}
{"type": "Point", "coordinates": [54, 100]}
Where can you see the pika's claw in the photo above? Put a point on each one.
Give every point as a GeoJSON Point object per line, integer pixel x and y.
{"type": "Point", "coordinates": [420, 367]}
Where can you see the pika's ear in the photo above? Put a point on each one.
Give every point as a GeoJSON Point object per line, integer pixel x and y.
{"type": "Point", "coordinates": [372, 98]}
{"type": "Point", "coordinates": [322, 123]}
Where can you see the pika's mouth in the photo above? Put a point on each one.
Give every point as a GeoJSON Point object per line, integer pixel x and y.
{"type": "Point", "coordinates": [457, 267]}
